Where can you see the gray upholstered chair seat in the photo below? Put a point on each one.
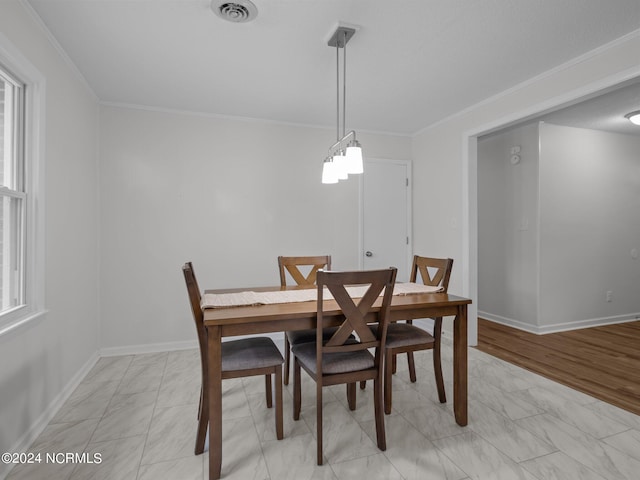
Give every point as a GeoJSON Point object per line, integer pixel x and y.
{"type": "Point", "coordinates": [403, 334]}
{"type": "Point", "coordinates": [332, 363]}
{"type": "Point", "coordinates": [306, 336]}
{"type": "Point", "coordinates": [249, 353]}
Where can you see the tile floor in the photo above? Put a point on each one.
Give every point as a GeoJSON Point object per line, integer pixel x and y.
{"type": "Point", "coordinates": [139, 413]}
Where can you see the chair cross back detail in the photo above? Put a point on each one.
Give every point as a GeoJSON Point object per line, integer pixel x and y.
{"type": "Point", "coordinates": [441, 275]}
{"type": "Point", "coordinates": [355, 315]}
{"type": "Point", "coordinates": [299, 277]}
{"type": "Point", "coordinates": [292, 264]}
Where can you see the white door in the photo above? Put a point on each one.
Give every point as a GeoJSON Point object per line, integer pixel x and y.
{"type": "Point", "coordinates": [386, 215]}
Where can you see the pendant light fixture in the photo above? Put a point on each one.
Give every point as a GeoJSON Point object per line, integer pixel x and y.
{"type": "Point", "coordinates": [345, 156]}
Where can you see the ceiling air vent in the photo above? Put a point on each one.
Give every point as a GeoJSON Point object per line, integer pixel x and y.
{"type": "Point", "coordinates": [240, 11]}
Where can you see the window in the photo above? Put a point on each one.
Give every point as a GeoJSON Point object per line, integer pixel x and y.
{"type": "Point", "coordinates": [22, 108]}
{"type": "Point", "coordinates": [12, 193]}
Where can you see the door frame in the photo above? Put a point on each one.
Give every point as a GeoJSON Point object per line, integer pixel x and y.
{"type": "Point", "coordinates": [408, 165]}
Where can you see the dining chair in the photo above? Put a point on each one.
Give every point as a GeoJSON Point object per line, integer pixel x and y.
{"type": "Point", "coordinates": [404, 337]}
{"type": "Point", "coordinates": [345, 357]}
{"type": "Point", "coordinates": [245, 357]}
{"type": "Point", "coordinates": [290, 267]}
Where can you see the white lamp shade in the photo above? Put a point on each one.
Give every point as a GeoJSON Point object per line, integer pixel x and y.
{"type": "Point", "coordinates": [329, 172]}
{"type": "Point", "coordinates": [354, 160]}
{"type": "Point", "coordinates": [340, 163]}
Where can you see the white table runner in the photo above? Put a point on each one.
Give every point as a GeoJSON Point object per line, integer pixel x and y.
{"type": "Point", "coordinates": [243, 299]}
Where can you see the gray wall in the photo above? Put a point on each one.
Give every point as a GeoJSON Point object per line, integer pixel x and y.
{"type": "Point", "coordinates": [547, 260]}
{"type": "Point", "coordinates": [590, 223]}
{"type": "Point", "coordinates": [508, 227]}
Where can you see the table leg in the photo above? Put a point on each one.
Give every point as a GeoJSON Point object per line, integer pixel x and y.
{"type": "Point", "coordinates": [460, 366]}
{"type": "Point", "coordinates": [214, 362]}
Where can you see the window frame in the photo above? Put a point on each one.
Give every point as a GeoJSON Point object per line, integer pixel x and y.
{"type": "Point", "coordinates": [32, 176]}
{"type": "Point", "coordinates": [12, 188]}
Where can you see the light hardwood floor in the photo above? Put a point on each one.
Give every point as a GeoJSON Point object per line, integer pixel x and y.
{"type": "Point", "coordinates": [139, 413]}
{"type": "Point", "coordinates": [600, 361]}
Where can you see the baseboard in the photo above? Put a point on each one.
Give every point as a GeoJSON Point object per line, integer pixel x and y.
{"type": "Point", "coordinates": [23, 444]}
{"type": "Point", "coordinates": [509, 322]}
{"type": "Point", "coordinates": [147, 348]}
{"type": "Point", "coordinates": [560, 327]}
{"type": "Point", "coordinates": [277, 337]}
{"type": "Point", "coordinates": [592, 322]}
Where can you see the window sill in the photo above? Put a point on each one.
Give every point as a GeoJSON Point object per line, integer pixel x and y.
{"type": "Point", "coordinates": [20, 323]}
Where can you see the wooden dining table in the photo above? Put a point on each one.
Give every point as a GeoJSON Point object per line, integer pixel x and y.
{"type": "Point", "coordinates": [246, 320]}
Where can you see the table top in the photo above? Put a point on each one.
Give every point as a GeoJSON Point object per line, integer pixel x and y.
{"type": "Point", "coordinates": [402, 307]}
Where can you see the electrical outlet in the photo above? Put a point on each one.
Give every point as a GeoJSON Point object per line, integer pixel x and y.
{"type": "Point", "coordinates": [609, 295]}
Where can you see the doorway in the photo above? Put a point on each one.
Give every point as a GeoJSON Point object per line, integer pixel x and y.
{"type": "Point", "coordinates": [470, 168]}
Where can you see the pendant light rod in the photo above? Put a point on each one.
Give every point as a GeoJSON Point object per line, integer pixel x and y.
{"type": "Point", "coordinates": [344, 81]}
{"type": "Point", "coordinates": [339, 39]}
{"type": "Point", "coordinates": [337, 91]}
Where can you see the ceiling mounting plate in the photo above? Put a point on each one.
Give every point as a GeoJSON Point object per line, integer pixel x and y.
{"type": "Point", "coordinates": [341, 36]}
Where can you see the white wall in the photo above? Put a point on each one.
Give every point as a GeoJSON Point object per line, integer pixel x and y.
{"type": "Point", "coordinates": [40, 362]}
{"type": "Point", "coordinates": [590, 223]}
{"type": "Point", "coordinates": [508, 227]}
{"type": "Point", "coordinates": [227, 194]}
{"type": "Point", "coordinates": [444, 160]}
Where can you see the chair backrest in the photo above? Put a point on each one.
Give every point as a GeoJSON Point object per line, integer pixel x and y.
{"type": "Point", "coordinates": [194, 299]}
{"type": "Point", "coordinates": [291, 264]}
{"type": "Point", "coordinates": [433, 271]}
{"type": "Point", "coordinates": [357, 312]}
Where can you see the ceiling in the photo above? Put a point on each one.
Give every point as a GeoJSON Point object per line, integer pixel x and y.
{"type": "Point", "coordinates": [410, 64]}
{"type": "Point", "coordinates": [603, 110]}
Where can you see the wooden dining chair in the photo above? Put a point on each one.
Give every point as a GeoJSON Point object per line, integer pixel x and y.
{"type": "Point", "coordinates": [245, 357]}
{"type": "Point", "coordinates": [290, 267]}
{"type": "Point", "coordinates": [345, 357]}
{"type": "Point", "coordinates": [404, 337]}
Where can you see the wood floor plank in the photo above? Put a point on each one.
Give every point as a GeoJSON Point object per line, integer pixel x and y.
{"type": "Point", "coordinates": [601, 361]}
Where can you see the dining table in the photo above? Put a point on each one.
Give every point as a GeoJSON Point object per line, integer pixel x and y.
{"type": "Point", "coordinates": [226, 321]}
